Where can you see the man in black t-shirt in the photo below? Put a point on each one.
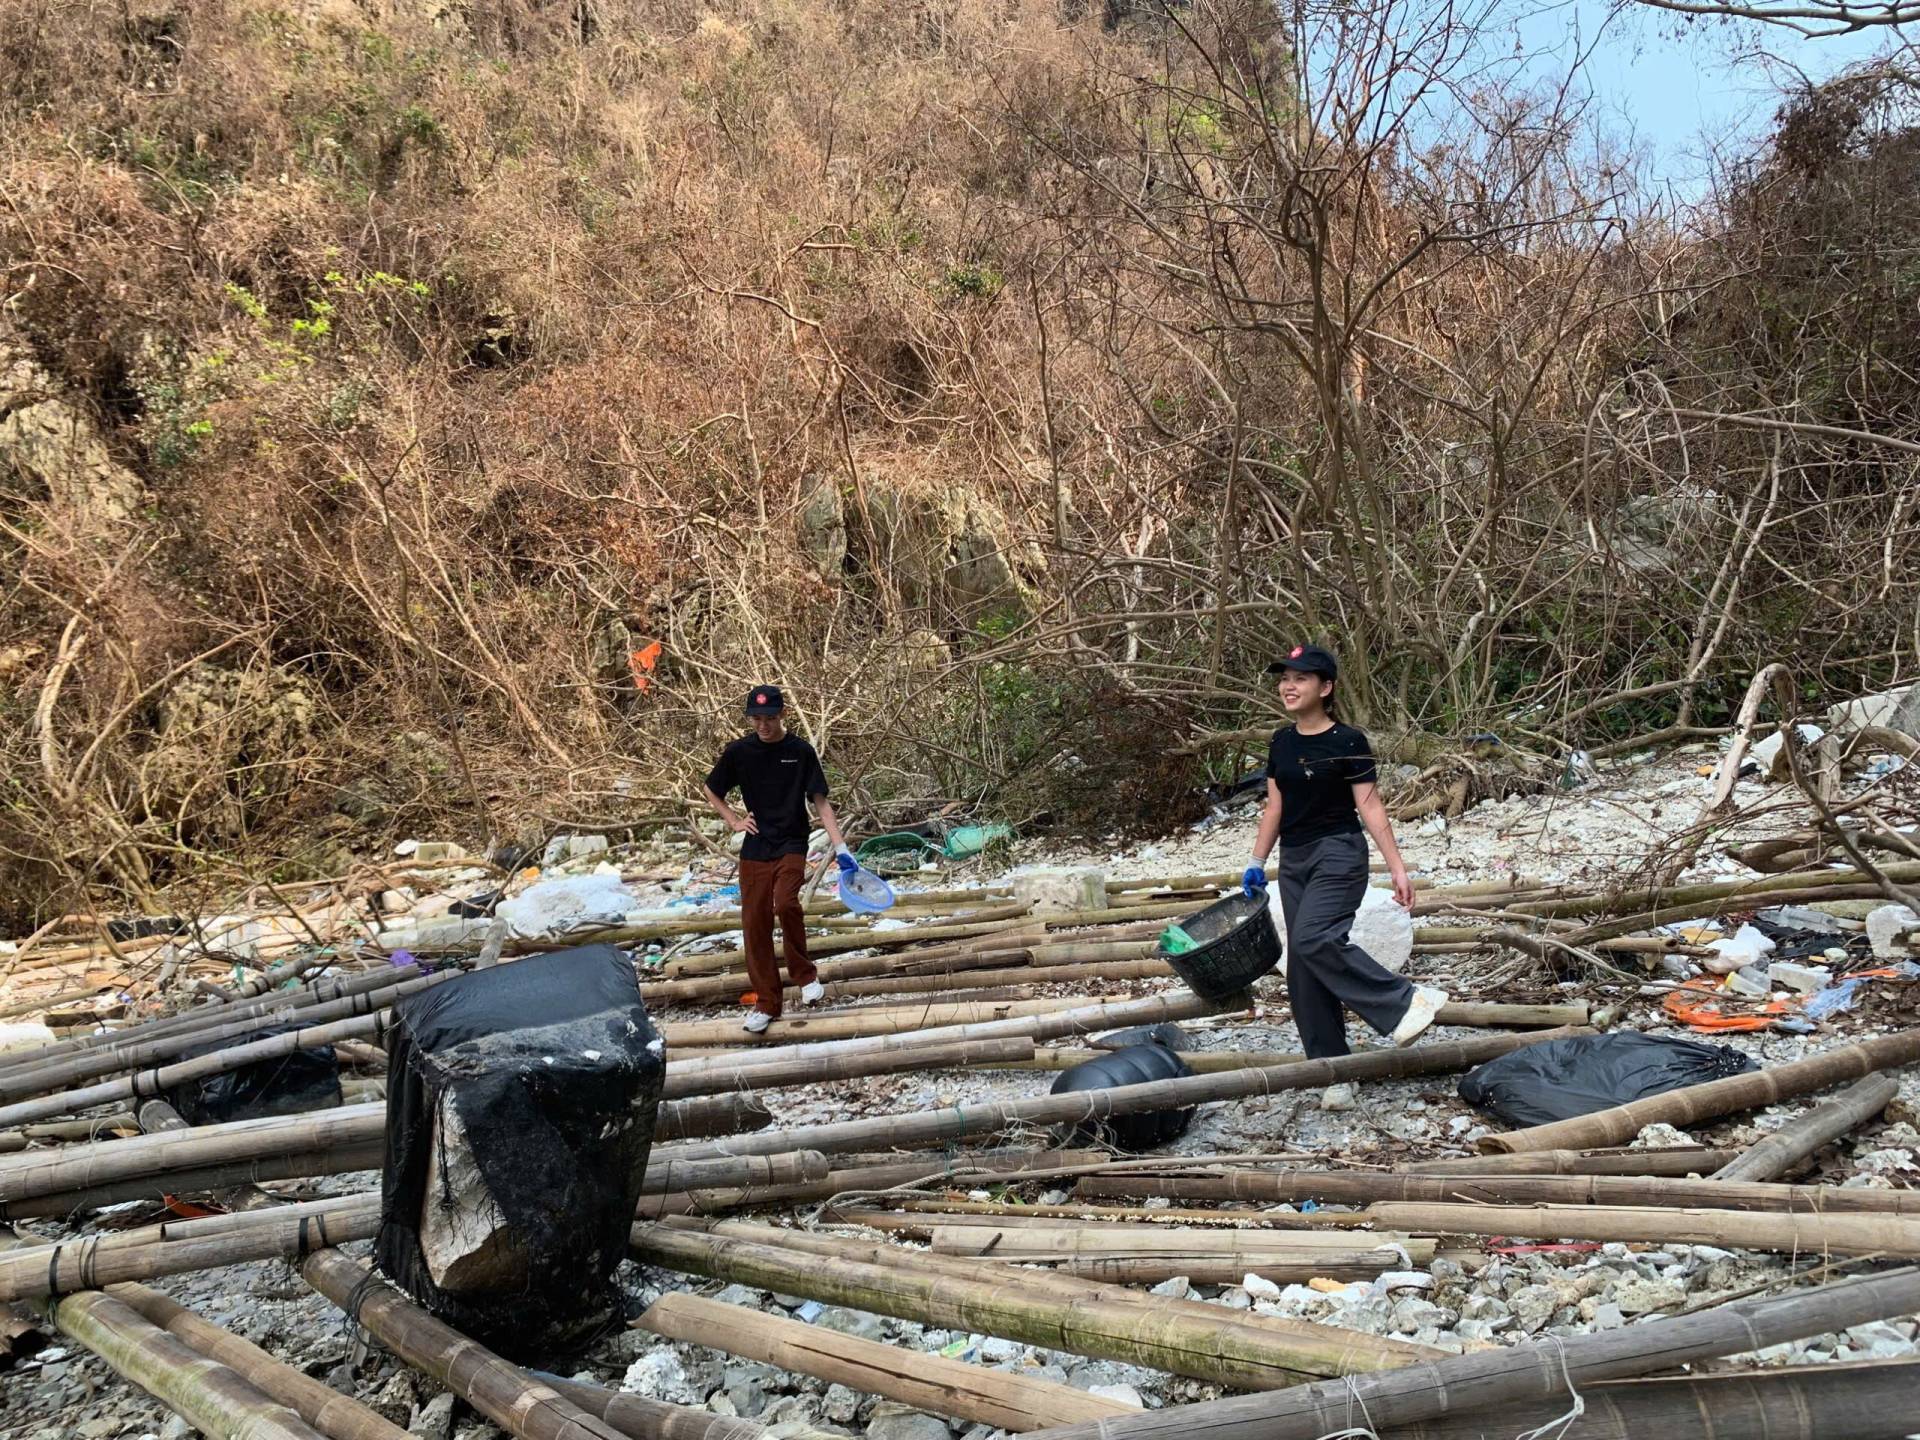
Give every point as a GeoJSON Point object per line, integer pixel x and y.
{"type": "Point", "coordinates": [777, 773]}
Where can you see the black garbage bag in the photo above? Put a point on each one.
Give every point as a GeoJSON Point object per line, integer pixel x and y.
{"type": "Point", "coordinates": [1559, 1079]}
{"type": "Point", "coordinates": [284, 1085]}
{"type": "Point", "coordinates": [1166, 1034]}
{"type": "Point", "coordinates": [520, 1110]}
{"type": "Point", "coordinates": [1135, 1065]}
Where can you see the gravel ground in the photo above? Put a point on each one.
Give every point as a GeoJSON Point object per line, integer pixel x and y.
{"type": "Point", "coordinates": [1592, 836]}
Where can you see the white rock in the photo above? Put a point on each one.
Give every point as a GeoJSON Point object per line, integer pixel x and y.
{"type": "Point", "coordinates": [1382, 928]}
{"type": "Point", "coordinates": [1258, 1287]}
{"type": "Point", "coordinates": [1124, 1394]}
{"type": "Point", "coordinates": [1885, 925]}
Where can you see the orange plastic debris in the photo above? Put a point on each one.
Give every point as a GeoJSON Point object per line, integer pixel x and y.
{"type": "Point", "coordinates": [1698, 1006]}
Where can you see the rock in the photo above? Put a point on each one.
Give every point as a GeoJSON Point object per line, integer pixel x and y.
{"type": "Point", "coordinates": [1636, 1295]}
{"type": "Point", "coordinates": [434, 1420]}
{"type": "Point", "coordinates": [1485, 1308]}
{"type": "Point", "coordinates": [856, 1323]}
{"type": "Point", "coordinates": [659, 1375]}
{"type": "Point", "coordinates": [747, 1384]}
{"type": "Point", "coordinates": [720, 1403]}
{"type": "Point", "coordinates": [1060, 891]}
{"type": "Point", "coordinates": [996, 1351]}
{"type": "Point", "coordinates": [1415, 1314]}
{"type": "Point", "coordinates": [1886, 927]}
{"type": "Point", "coordinates": [823, 528]}
{"type": "Point", "coordinates": [1381, 928]}
{"type": "Point", "coordinates": [1125, 1394]}
{"type": "Point", "coordinates": [1178, 1288]}
{"type": "Point", "coordinates": [1258, 1287]}
{"type": "Point", "coordinates": [1602, 1315]}
{"type": "Point", "coordinates": [50, 446]}
{"type": "Point", "coordinates": [1533, 1306]}
{"type": "Point", "coordinates": [793, 1410]}
{"type": "Point", "coordinates": [1236, 1299]}
{"type": "Point", "coordinates": [744, 1295]}
{"type": "Point", "coordinates": [1880, 1340]}
{"type": "Point", "coordinates": [842, 1405]}
{"type": "Point", "coordinates": [176, 1428]}
{"type": "Point", "coordinates": [1336, 1098]}
{"type": "Point", "coordinates": [396, 1398]}
{"type": "Point", "coordinates": [1661, 1136]}
{"type": "Point", "coordinates": [890, 1420]}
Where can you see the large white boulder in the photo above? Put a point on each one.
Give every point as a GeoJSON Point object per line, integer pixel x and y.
{"type": "Point", "coordinates": [1382, 928]}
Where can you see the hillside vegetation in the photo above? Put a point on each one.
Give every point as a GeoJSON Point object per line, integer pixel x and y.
{"type": "Point", "coordinates": [427, 414]}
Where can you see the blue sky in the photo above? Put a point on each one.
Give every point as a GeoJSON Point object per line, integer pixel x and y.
{"type": "Point", "coordinates": [1675, 87]}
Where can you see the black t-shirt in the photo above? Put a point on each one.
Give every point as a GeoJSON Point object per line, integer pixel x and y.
{"type": "Point", "coordinates": [775, 782]}
{"type": "Point", "coordinates": [1316, 775]}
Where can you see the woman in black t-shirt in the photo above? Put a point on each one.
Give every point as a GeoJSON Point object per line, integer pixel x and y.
{"type": "Point", "coordinates": [1320, 795]}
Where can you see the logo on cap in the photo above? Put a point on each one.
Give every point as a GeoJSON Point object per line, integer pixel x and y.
{"type": "Point", "coordinates": [760, 699]}
{"type": "Point", "coordinates": [1295, 653]}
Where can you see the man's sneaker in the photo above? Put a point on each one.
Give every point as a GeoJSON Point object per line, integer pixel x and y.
{"type": "Point", "coordinates": [757, 1023]}
{"type": "Point", "coordinates": [1425, 1005]}
{"type": "Point", "coordinates": [811, 992]}
{"type": "Point", "coordinates": [1337, 1097]}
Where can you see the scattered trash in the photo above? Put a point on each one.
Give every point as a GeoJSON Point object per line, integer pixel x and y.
{"type": "Point", "coordinates": [1802, 978]}
{"type": "Point", "coordinates": [566, 905]}
{"type": "Point", "coordinates": [966, 841]}
{"type": "Point", "coordinates": [285, 1085]}
{"type": "Point", "coordinates": [1559, 1079]}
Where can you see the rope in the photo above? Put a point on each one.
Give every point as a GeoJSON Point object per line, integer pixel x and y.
{"type": "Point", "coordinates": [1557, 1428]}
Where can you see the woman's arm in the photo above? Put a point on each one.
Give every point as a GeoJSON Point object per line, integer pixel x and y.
{"type": "Point", "coordinates": [1264, 837]}
{"type": "Point", "coordinates": [1373, 814]}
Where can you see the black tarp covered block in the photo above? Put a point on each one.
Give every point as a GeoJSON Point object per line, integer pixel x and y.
{"type": "Point", "coordinates": [520, 1112]}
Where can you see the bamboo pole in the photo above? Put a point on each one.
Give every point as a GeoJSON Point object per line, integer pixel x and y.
{"type": "Point", "coordinates": [1003, 920]}
{"type": "Point", "coordinates": [339, 1144]}
{"type": "Point", "coordinates": [132, 1051]}
{"type": "Point", "coordinates": [1708, 892]}
{"type": "Point", "coordinates": [1674, 1160]}
{"type": "Point", "coordinates": [1792, 1234]}
{"type": "Point", "coordinates": [1082, 1020]}
{"type": "Point", "coordinates": [338, 1416]}
{"type": "Point", "coordinates": [1145, 1254]}
{"type": "Point", "coordinates": [705, 1116]}
{"type": "Point", "coordinates": [505, 1394]}
{"type": "Point", "coordinates": [1486, 1381]}
{"type": "Point", "coordinates": [866, 1179]}
{"type": "Point", "coordinates": [792, 1168]}
{"type": "Point", "coordinates": [956, 1122]}
{"type": "Point", "coordinates": [643, 1419]}
{"type": "Point", "coordinates": [927, 1382]}
{"type": "Point", "coordinates": [1779, 1152]}
{"type": "Point", "coordinates": [756, 1071]}
{"type": "Point", "coordinates": [1143, 967]}
{"type": "Point", "coordinates": [1870, 1401]}
{"type": "Point", "coordinates": [834, 974]}
{"type": "Point", "coordinates": [207, 1394]}
{"type": "Point", "coordinates": [1011, 1305]}
{"type": "Point", "coordinates": [1696, 1103]}
{"type": "Point", "coordinates": [861, 1024]}
{"type": "Point", "coordinates": [1360, 1187]}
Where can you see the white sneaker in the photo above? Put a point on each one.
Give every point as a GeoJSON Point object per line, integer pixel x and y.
{"type": "Point", "coordinates": [757, 1022]}
{"type": "Point", "coordinates": [1337, 1097]}
{"type": "Point", "coordinates": [1426, 1004]}
{"type": "Point", "coordinates": [810, 994]}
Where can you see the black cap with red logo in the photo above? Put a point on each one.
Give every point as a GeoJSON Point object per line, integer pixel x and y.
{"type": "Point", "coordinates": [765, 700]}
{"type": "Point", "coordinates": [1309, 660]}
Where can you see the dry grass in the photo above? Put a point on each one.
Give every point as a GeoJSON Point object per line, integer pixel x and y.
{"type": "Point", "coordinates": [928, 357]}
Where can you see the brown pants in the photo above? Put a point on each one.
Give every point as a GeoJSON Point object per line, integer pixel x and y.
{"type": "Point", "coordinates": [769, 891]}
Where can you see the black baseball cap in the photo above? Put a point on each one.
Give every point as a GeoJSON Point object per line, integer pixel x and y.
{"type": "Point", "coordinates": [765, 700]}
{"type": "Point", "coordinates": [1309, 659]}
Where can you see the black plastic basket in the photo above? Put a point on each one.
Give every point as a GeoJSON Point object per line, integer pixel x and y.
{"type": "Point", "coordinates": [1236, 945]}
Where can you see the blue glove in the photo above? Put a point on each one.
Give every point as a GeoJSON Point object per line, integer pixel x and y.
{"type": "Point", "coordinates": [844, 859]}
{"type": "Point", "coordinates": [1254, 881]}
